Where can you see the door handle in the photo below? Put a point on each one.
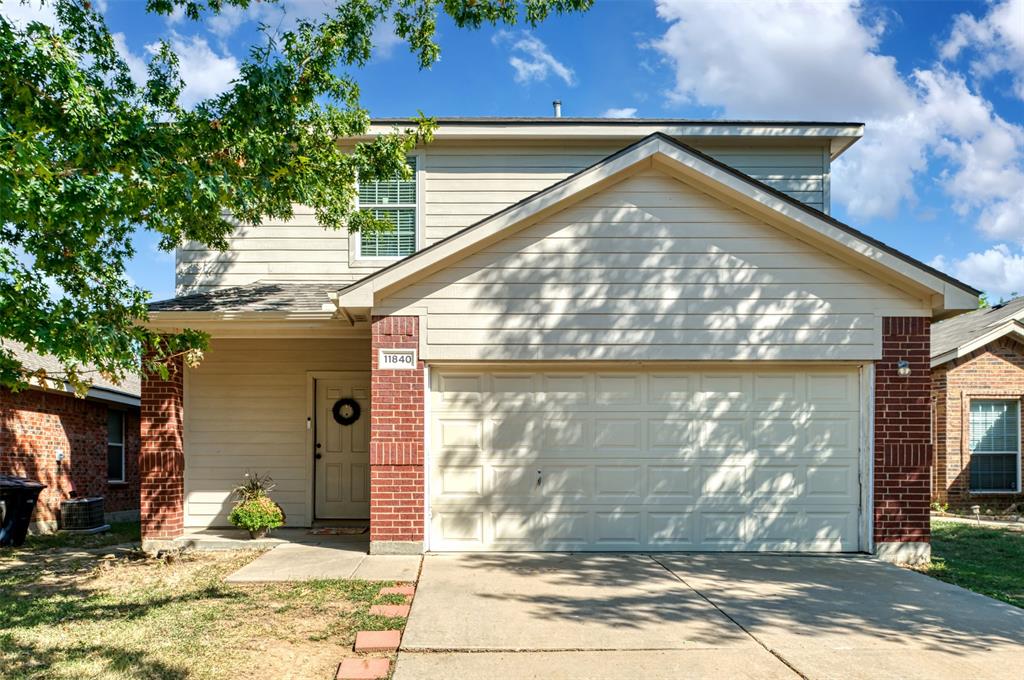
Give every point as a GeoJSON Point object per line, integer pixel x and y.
{"type": "Point", "coordinates": [318, 456]}
{"type": "Point", "coordinates": [539, 477]}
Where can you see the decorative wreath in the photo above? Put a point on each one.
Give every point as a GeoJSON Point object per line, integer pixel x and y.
{"type": "Point", "coordinates": [346, 411]}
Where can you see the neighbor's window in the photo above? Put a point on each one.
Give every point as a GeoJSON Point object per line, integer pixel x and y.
{"type": "Point", "coordinates": [115, 446]}
{"type": "Point", "coordinates": [995, 445]}
{"type": "Point", "coordinates": [395, 201]}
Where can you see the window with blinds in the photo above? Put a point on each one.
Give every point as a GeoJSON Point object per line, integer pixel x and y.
{"type": "Point", "coordinates": [115, 446]}
{"type": "Point", "coordinates": [393, 201]}
{"type": "Point", "coordinates": [994, 440]}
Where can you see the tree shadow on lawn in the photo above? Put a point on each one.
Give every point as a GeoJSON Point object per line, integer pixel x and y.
{"type": "Point", "coordinates": [27, 660]}
{"type": "Point", "coordinates": [56, 600]}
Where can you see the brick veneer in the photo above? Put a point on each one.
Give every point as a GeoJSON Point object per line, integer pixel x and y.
{"type": "Point", "coordinates": [162, 456]}
{"type": "Point", "coordinates": [396, 440]}
{"type": "Point", "coordinates": [36, 424]}
{"type": "Point", "coordinates": [903, 448]}
{"type": "Point", "coordinates": [993, 371]}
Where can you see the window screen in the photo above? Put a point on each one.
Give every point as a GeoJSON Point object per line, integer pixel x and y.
{"type": "Point", "coordinates": [393, 201]}
{"type": "Point", "coordinates": [994, 444]}
{"type": "Point", "coordinates": [115, 446]}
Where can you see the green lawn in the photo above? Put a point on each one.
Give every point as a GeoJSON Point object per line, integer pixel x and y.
{"type": "Point", "coordinates": [986, 560]}
{"type": "Point", "coordinates": [69, 614]}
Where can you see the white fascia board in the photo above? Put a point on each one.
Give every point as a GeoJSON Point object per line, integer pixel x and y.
{"type": "Point", "coordinates": [619, 130]}
{"type": "Point", "coordinates": [255, 324]}
{"type": "Point", "coordinates": [1011, 328]}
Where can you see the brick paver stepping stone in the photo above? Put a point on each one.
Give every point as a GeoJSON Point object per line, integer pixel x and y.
{"type": "Point", "coordinates": [378, 640]}
{"type": "Point", "coordinates": [392, 610]}
{"type": "Point", "coordinates": [363, 669]}
{"type": "Point", "coordinates": [408, 591]}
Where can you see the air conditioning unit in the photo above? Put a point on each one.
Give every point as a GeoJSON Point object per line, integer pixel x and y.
{"type": "Point", "coordinates": [81, 514]}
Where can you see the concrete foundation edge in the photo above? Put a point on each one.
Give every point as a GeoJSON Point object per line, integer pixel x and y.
{"type": "Point", "coordinates": [904, 552]}
{"type": "Point", "coordinates": [396, 547]}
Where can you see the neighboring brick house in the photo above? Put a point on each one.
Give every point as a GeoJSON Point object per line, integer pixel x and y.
{"type": "Point", "coordinates": [78, 447]}
{"type": "Point", "coordinates": [581, 335]}
{"type": "Point", "coordinates": [977, 387]}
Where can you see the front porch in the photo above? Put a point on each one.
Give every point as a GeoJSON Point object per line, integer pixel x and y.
{"type": "Point", "coordinates": [270, 405]}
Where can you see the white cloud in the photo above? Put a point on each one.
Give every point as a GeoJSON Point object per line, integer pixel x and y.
{"type": "Point", "coordinates": [136, 64]}
{"type": "Point", "coordinates": [780, 59]}
{"type": "Point", "coordinates": [384, 40]}
{"type": "Point", "coordinates": [627, 112]}
{"type": "Point", "coordinates": [230, 17]}
{"type": "Point", "coordinates": [995, 42]}
{"type": "Point", "coordinates": [204, 72]}
{"type": "Point", "coordinates": [999, 271]}
{"type": "Point", "coordinates": [20, 14]}
{"type": "Point", "coordinates": [536, 62]}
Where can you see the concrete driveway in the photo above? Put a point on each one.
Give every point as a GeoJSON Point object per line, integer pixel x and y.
{"type": "Point", "coordinates": [700, 615]}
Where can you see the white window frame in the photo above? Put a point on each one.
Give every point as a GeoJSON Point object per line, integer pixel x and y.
{"type": "Point", "coordinates": [972, 454]}
{"type": "Point", "coordinates": [122, 444]}
{"type": "Point", "coordinates": [356, 241]}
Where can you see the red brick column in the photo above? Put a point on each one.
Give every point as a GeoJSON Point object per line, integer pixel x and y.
{"type": "Point", "coordinates": [902, 438]}
{"type": "Point", "coordinates": [396, 442]}
{"type": "Point", "coordinates": [162, 455]}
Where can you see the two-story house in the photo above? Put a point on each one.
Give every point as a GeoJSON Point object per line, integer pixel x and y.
{"type": "Point", "coordinates": [584, 334]}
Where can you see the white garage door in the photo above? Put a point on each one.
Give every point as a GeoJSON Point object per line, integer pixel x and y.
{"type": "Point", "coordinates": [627, 460]}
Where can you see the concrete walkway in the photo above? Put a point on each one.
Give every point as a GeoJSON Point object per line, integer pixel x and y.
{"type": "Point", "coordinates": [327, 558]}
{"type": "Point", "coordinates": [699, 615]}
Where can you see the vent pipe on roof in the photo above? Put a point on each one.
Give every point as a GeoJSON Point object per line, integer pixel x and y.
{"type": "Point", "coordinates": [558, 107]}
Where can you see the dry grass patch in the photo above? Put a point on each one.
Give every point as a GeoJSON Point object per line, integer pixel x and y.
{"type": "Point", "coordinates": [90, 617]}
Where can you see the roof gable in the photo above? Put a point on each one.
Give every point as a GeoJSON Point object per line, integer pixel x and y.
{"type": "Point", "coordinates": [701, 171]}
{"type": "Point", "coordinates": [954, 338]}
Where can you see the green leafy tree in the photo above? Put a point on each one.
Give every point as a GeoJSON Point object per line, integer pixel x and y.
{"type": "Point", "coordinates": [88, 157]}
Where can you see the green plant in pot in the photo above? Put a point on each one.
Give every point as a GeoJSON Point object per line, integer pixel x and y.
{"type": "Point", "coordinates": [254, 509]}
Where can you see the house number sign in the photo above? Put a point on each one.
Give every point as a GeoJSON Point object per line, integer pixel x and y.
{"type": "Point", "coordinates": [397, 359]}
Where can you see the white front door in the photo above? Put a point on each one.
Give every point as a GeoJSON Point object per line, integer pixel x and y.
{"type": "Point", "coordinates": [743, 457]}
{"type": "Point", "coordinates": [342, 451]}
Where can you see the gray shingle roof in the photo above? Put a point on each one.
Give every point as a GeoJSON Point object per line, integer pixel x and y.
{"type": "Point", "coordinates": [953, 333]}
{"type": "Point", "coordinates": [299, 298]}
{"type": "Point", "coordinates": [31, 360]}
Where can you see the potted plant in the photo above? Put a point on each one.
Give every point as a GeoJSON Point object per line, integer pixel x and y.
{"type": "Point", "coordinates": [254, 509]}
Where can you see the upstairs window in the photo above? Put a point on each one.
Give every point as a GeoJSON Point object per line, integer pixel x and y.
{"type": "Point", "coordinates": [394, 201]}
{"type": "Point", "coordinates": [115, 446]}
{"type": "Point", "coordinates": [995, 445]}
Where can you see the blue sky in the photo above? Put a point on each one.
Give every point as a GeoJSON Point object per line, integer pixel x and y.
{"type": "Point", "coordinates": [939, 174]}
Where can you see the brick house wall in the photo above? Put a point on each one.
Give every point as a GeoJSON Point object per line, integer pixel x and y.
{"type": "Point", "coordinates": [994, 371]}
{"type": "Point", "coordinates": [902, 437]}
{"type": "Point", "coordinates": [36, 424]}
{"type": "Point", "coordinates": [396, 441]}
{"type": "Point", "coordinates": [162, 455]}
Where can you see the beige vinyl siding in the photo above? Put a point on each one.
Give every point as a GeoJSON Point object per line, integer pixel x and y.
{"type": "Point", "coordinates": [245, 410]}
{"type": "Point", "coordinates": [466, 183]}
{"type": "Point", "coordinates": [294, 250]}
{"type": "Point", "coordinates": [650, 269]}
{"type": "Point", "coordinates": [462, 183]}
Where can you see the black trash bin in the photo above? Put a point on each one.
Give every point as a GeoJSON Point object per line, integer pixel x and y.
{"type": "Point", "coordinates": [18, 497]}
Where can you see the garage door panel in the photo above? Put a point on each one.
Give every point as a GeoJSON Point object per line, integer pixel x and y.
{"type": "Point", "coordinates": [598, 480]}
{"type": "Point", "coordinates": [616, 483]}
{"type": "Point", "coordinates": [619, 390]}
{"type": "Point", "coordinates": [666, 460]}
